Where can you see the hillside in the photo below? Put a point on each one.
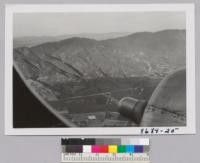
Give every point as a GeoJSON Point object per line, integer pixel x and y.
{"type": "Point", "coordinates": [77, 66]}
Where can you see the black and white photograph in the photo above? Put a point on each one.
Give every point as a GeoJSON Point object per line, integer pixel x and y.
{"type": "Point", "coordinates": [102, 69]}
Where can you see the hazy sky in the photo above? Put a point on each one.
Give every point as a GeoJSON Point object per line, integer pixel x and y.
{"type": "Point", "coordinates": [53, 24]}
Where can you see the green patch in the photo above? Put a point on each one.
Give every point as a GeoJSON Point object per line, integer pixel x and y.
{"type": "Point", "coordinates": [121, 149]}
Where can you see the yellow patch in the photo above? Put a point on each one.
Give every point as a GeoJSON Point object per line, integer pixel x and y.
{"type": "Point", "coordinates": [112, 148]}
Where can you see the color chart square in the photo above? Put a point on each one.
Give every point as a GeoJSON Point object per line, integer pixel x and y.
{"type": "Point", "coordinates": [95, 148]}
{"type": "Point", "coordinates": [130, 149]}
{"type": "Point", "coordinates": [121, 149]}
{"type": "Point", "coordinates": [112, 148]}
{"type": "Point", "coordinates": [138, 148]}
{"type": "Point", "coordinates": [103, 148]}
{"type": "Point", "coordinates": [87, 149]}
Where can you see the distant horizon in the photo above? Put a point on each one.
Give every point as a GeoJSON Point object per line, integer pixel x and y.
{"type": "Point", "coordinates": [57, 24]}
{"type": "Point", "coordinates": [125, 33]}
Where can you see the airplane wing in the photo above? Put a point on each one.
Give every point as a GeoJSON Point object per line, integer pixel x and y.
{"type": "Point", "coordinates": [167, 105]}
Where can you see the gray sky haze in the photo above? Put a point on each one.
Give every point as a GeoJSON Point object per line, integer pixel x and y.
{"type": "Point", "coordinates": [57, 24]}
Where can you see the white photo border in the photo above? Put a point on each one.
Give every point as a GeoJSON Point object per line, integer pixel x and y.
{"type": "Point", "coordinates": [10, 9]}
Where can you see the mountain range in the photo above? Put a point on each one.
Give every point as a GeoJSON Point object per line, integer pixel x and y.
{"type": "Point", "coordinates": [74, 62]}
{"type": "Point", "coordinates": [29, 41]}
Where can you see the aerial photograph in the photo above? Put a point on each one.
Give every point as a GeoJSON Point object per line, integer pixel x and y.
{"type": "Point", "coordinates": [102, 69]}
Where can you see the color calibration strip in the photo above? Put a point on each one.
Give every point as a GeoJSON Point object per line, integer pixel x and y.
{"type": "Point", "coordinates": [105, 150]}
